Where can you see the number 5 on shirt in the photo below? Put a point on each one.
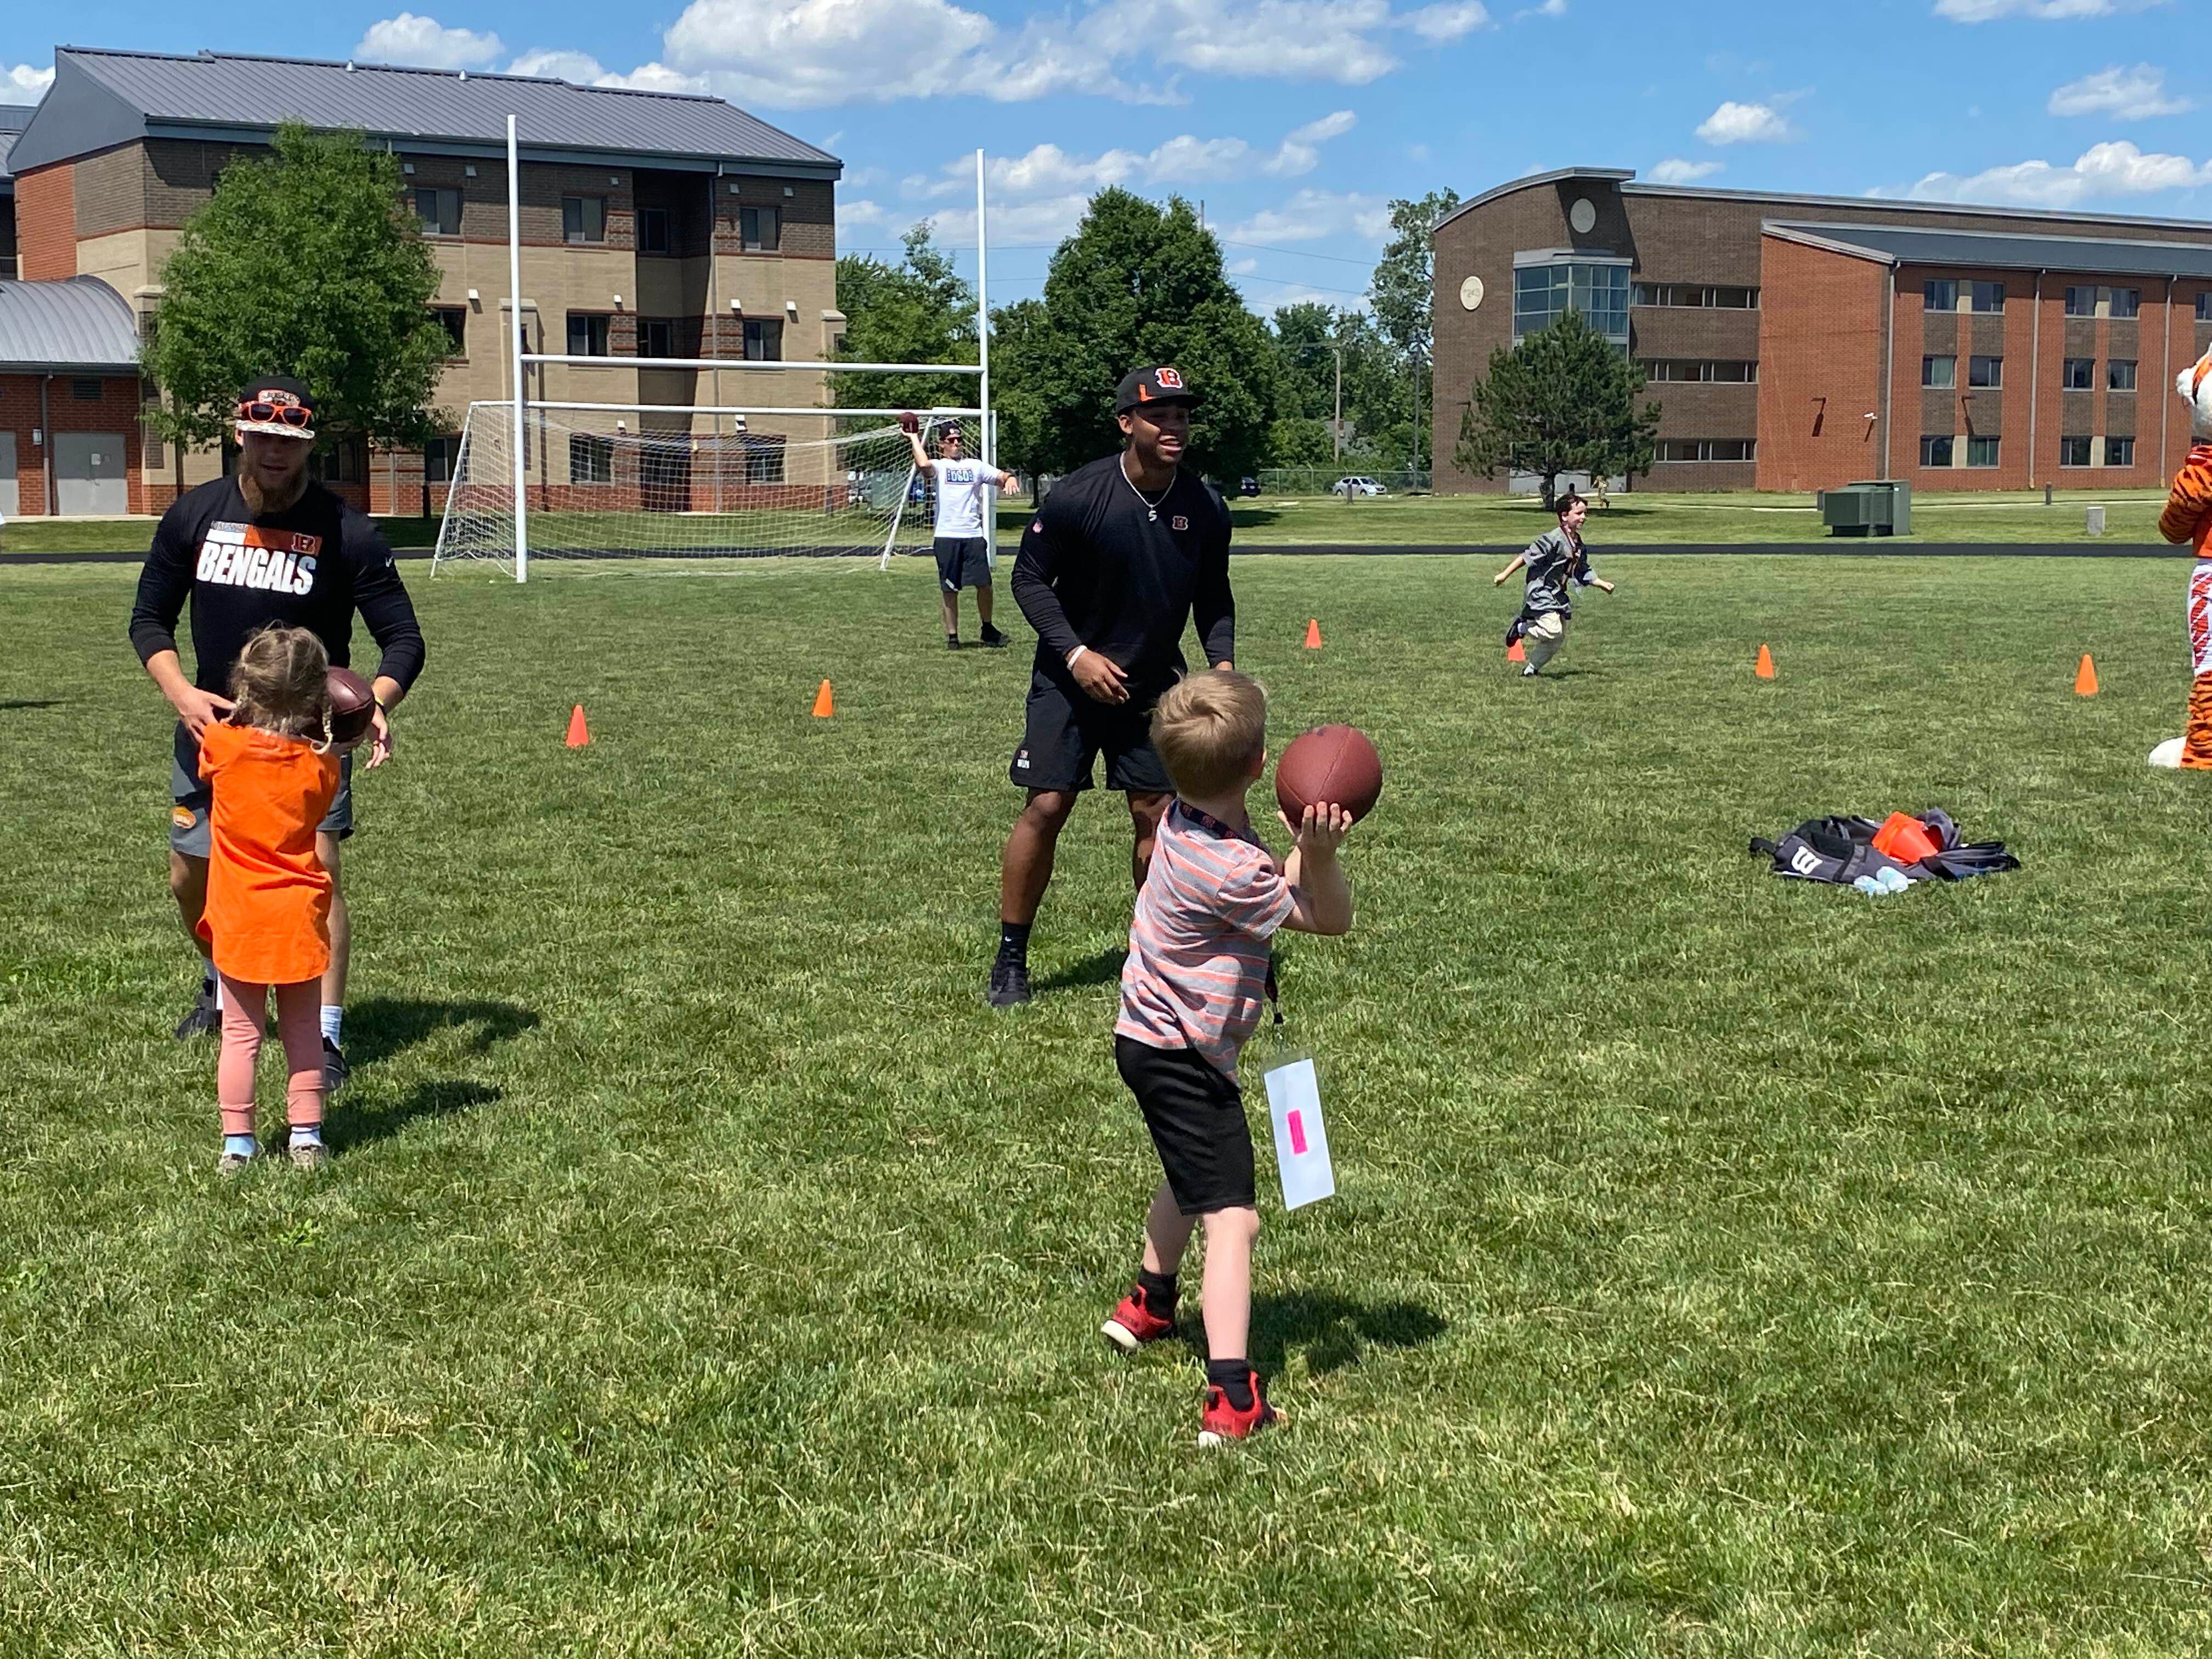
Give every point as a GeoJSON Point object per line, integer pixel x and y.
{"type": "Point", "coordinates": [1301, 1142]}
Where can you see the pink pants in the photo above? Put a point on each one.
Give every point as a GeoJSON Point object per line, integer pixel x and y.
{"type": "Point", "coordinates": [245, 1023]}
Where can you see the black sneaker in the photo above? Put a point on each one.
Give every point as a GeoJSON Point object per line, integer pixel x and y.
{"type": "Point", "coordinates": [994, 639]}
{"type": "Point", "coordinates": [205, 1018]}
{"type": "Point", "coordinates": [1513, 633]}
{"type": "Point", "coordinates": [951, 641]}
{"type": "Point", "coordinates": [1010, 984]}
{"type": "Point", "coordinates": [335, 1069]}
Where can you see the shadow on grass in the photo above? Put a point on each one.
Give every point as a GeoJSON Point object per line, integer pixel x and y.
{"type": "Point", "coordinates": [380, 1027]}
{"type": "Point", "coordinates": [1103, 968]}
{"type": "Point", "coordinates": [32, 702]}
{"type": "Point", "coordinates": [349, 1126]}
{"type": "Point", "coordinates": [1334, 1331]}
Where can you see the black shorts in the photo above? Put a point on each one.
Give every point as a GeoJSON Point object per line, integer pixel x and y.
{"type": "Point", "coordinates": [962, 562]}
{"type": "Point", "coordinates": [1197, 1119]}
{"type": "Point", "coordinates": [191, 800]}
{"type": "Point", "coordinates": [1063, 731]}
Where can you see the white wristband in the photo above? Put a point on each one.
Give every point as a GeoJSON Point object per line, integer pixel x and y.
{"type": "Point", "coordinates": [1073, 654]}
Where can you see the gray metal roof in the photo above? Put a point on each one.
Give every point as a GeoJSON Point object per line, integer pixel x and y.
{"type": "Point", "coordinates": [12, 117]}
{"type": "Point", "coordinates": [2006, 250]}
{"type": "Point", "coordinates": [101, 99]}
{"type": "Point", "coordinates": [79, 323]}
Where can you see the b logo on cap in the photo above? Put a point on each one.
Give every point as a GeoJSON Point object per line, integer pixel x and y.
{"type": "Point", "coordinates": [1170, 380]}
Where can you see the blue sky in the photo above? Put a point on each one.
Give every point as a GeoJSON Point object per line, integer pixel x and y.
{"type": "Point", "coordinates": [1295, 121]}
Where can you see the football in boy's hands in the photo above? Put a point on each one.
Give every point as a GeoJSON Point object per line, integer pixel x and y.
{"type": "Point", "coordinates": [909, 421]}
{"type": "Point", "coordinates": [353, 706]}
{"type": "Point", "coordinates": [1329, 765]}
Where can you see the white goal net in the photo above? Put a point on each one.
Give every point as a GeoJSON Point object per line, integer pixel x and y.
{"type": "Point", "coordinates": [660, 483]}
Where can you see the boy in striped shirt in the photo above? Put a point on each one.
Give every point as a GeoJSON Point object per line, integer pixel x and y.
{"type": "Point", "coordinates": [1192, 991]}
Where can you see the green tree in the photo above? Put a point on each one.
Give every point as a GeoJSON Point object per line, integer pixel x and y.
{"type": "Point", "coordinates": [1378, 407]}
{"type": "Point", "coordinates": [1564, 400]}
{"type": "Point", "coordinates": [1137, 283]}
{"type": "Point", "coordinates": [303, 262]}
{"type": "Point", "coordinates": [916, 311]}
{"type": "Point", "coordinates": [1403, 294]}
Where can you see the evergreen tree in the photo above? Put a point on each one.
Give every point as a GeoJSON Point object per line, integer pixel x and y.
{"type": "Point", "coordinates": [1564, 400]}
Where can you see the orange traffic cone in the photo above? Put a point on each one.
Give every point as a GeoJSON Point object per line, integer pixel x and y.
{"type": "Point", "coordinates": [2084, 681]}
{"type": "Point", "coordinates": [823, 707]}
{"type": "Point", "coordinates": [579, 733]}
{"type": "Point", "coordinates": [1764, 666]}
{"type": "Point", "coordinates": [1515, 653]}
{"type": "Point", "coordinates": [1313, 634]}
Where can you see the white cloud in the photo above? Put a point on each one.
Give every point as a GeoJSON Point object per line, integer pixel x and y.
{"type": "Point", "coordinates": [2125, 94]}
{"type": "Point", "coordinates": [585, 70]}
{"type": "Point", "coordinates": [2102, 171]}
{"type": "Point", "coordinates": [1549, 8]}
{"type": "Point", "coordinates": [1447, 22]}
{"type": "Point", "coordinates": [1676, 171]}
{"type": "Point", "coordinates": [1744, 123]}
{"type": "Point", "coordinates": [1310, 215]}
{"type": "Point", "coordinates": [21, 84]}
{"type": "Point", "coordinates": [408, 39]}
{"type": "Point", "coordinates": [1990, 11]}
{"type": "Point", "coordinates": [1048, 170]}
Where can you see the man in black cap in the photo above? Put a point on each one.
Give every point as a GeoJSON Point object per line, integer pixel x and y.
{"type": "Point", "coordinates": [266, 544]}
{"type": "Point", "coordinates": [1126, 552]}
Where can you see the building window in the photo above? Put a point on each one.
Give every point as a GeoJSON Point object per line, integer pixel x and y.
{"type": "Point", "coordinates": [1985, 296]}
{"type": "Point", "coordinates": [2204, 306]}
{"type": "Point", "coordinates": [2119, 451]}
{"type": "Point", "coordinates": [1718, 371]}
{"type": "Point", "coordinates": [590, 460]}
{"type": "Point", "coordinates": [1941, 372]}
{"type": "Point", "coordinates": [454, 319]}
{"type": "Point", "coordinates": [652, 230]}
{"type": "Point", "coordinates": [1937, 449]}
{"type": "Point", "coordinates": [1981, 452]}
{"type": "Point", "coordinates": [439, 211]}
{"type": "Point", "coordinates": [2073, 451]}
{"type": "Point", "coordinates": [439, 455]}
{"type": "Point", "coordinates": [587, 334]}
{"type": "Point", "coordinates": [340, 461]}
{"type": "Point", "coordinates": [656, 337]}
{"type": "Point", "coordinates": [1691, 295]}
{"type": "Point", "coordinates": [1708, 449]}
{"type": "Point", "coordinates": [584, 218]}
{"type": "Point", "coordinates": [2079, 374]}
{"type": "Point", "coordinates": [764, 461]}
{"type": "Point", "coordinates": [758, 228]}
{"type": "Point", "coordinates": [1544, 294]}
{"type": "Point", "coordinates": [763, 341]}
{"type": "Point", "coordinates": [1941, 294]}
{"type": "Point", "coordinates": [2127, 302]}
{"type": "Point", "coordinates": [2081, 301]}
{"type": "Point", "coordinates": [85, 391]}
{"type": "Point", "coordinates": [1985, 372]}
{"type": "Point", "coordinates": [2120, 375]}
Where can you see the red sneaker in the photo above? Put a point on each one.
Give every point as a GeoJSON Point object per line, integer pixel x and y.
{"type": "Point", "coordinates": [1223, 1422]}
{"type": "Point", "coordinates": [1133, 1324]}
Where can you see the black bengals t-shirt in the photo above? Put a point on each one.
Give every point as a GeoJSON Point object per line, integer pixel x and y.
{"type": "Point", "coordinates": [312, 566]}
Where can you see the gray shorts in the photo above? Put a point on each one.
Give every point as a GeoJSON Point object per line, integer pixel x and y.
{"type": "Point", "coordinates": [962, 562]}
{"type": "Point", "coordinates": [191, 798]}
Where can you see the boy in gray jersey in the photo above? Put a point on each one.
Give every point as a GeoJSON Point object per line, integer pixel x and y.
{"type": "Point", "coordinates": [1554, 560]}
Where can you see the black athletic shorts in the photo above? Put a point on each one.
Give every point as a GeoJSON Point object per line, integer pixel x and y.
{"type": "Point", "coordinates": [962, 562]}
{"type": "Point", "coordinates": [1064, 731]}
{"type": "Point", "coordinates": [191, 800]}
{"type": "Point", "coordinates": [1197, 1119]}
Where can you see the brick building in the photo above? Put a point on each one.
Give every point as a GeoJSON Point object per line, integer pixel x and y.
{"type": "Point", "coordinates": [1795, 343]}
{"type": "Point", "coordinates": [654, 224]}
{"type": "Point", "coordinates": [69, 400]}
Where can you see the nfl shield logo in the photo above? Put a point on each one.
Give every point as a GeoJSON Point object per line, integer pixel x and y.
{"type": "Point", "coordinates": [1180, 522]}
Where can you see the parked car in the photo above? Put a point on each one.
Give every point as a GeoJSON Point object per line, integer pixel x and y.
{"type": "Point", "coordinates": [1348, 488]}
{"type": "Point", "coordinates": [1247, 486]}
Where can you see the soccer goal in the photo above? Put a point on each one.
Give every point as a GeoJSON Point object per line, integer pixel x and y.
{"type": "Point", "coordinates": [653, 482]}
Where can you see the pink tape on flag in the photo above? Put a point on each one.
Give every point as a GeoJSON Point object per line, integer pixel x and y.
{"type": "Point", "coordinates": [1297, 1126]}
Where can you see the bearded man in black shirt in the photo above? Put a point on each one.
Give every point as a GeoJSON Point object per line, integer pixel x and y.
{"type": "Point", "coordinates": [266, 545]}
{"type": "Point", "coordinates": [1126, 552]}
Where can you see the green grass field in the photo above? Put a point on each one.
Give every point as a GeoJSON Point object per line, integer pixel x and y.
{"type": "Point", "coordinates": [1721, 1267]}
{"type": "Point", "coordinates": [1642, 516]}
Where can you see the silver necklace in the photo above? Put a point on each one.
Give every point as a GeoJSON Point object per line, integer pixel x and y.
{"type": "Point", "coordinates": [1151, 507]}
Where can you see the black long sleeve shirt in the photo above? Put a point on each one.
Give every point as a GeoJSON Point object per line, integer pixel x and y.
{"type": "Point", "coordinates": [1100, 566]}
{"type": "Point", "coordinates": [311, 566]}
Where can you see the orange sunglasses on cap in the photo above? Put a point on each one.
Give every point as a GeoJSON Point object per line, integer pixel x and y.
{"type": "Point", "coordinates": [285, 413]}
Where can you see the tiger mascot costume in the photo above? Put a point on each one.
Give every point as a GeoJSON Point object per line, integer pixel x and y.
{"type": "Point", "coordinates": [2188, 517]}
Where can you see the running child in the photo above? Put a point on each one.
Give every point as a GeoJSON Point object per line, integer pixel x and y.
{"type": "Point", "coordinates": [1192, 991]}
{"type": "Point", "coordinates": [1553, 559]}
{"type": "Point", "coordinates": [267, 920]}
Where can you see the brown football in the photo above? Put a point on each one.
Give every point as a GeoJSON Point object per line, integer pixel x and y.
{"type": "Point", "coordinates": [353, 705]}
{"type": "Point", "coordinates": [1329, 765]}
{"type": "Point", "coordinates": [909, 421]}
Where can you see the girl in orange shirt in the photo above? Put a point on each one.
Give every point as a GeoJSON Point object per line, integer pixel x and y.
{"type": "Point", "coordinates": [274, 770]}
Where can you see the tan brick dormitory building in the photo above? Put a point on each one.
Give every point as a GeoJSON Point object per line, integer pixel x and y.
{"type": "Point", "coordinates": [652, 225]}
{"type": "Point", "coordinates": [1795, 343]}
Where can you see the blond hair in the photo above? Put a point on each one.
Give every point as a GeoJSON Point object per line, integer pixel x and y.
{"type": "Point", "coordinates": [1209, 729]}
{"type": "Point", "coordinates": [281, 684]}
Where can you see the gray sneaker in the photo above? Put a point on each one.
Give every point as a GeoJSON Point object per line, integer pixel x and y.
{"type": "Point", "coordinates": [205, 1018]}
{"type": "Point", "coordinates": [335, 1069]}
{"type": "Point", "coordinates": [312, 1155]}
{"type": "Point", "coordinates": [231, 1163]}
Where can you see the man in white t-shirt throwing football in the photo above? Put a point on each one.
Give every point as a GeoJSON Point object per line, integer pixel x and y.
{"type": "Point", "coordinates": [965, 513]}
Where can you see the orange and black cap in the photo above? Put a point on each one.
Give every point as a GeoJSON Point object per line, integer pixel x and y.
{"type": "Point", "coordinates": [1162, 385]}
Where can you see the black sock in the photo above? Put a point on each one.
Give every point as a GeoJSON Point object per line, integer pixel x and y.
{"type": "Point", "coordinates": [1159, 1291]}
{"type": "Point", "coordinates": [1234, 1378]}
{"type": "Point", "coordinates": [1014, 942]}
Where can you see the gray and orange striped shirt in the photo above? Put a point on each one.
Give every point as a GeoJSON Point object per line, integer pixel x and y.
{"type": "Point", "coordinates": [1196, 975]}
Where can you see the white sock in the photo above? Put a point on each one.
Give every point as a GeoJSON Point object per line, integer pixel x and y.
{"type": "Point", "coordinates": [333, 1021]}
{"type": "Point", "coordinates": [218, 996]}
